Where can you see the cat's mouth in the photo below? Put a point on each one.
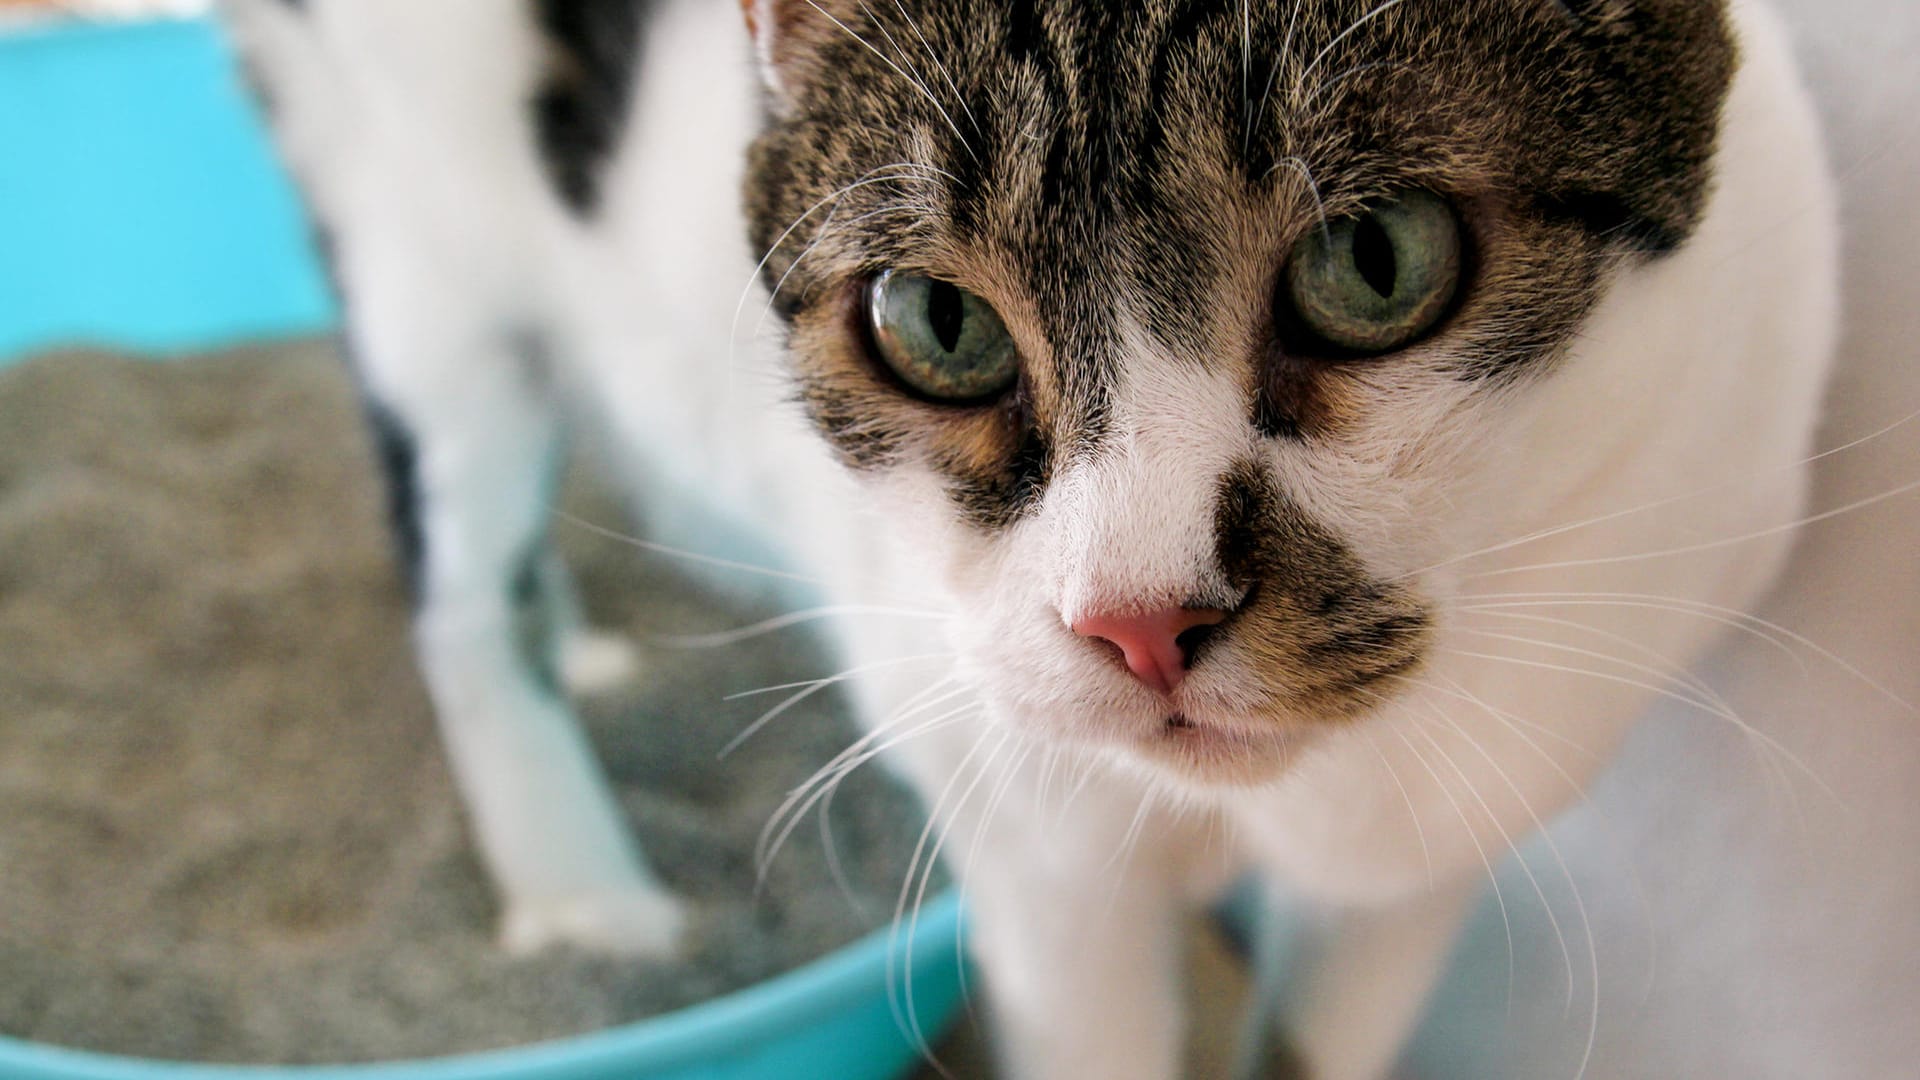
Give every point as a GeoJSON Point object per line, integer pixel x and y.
{"type": "Point", "coordinates": [1218, 751]}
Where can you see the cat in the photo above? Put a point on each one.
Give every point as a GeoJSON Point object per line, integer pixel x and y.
{"type": "Point", "coordinates": [1212, 407]}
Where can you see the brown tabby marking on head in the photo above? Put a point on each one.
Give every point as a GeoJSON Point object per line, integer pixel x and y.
{"type": "Point", "coordinates": [1315, 630]}
{"type": "Point", "coordinates": [1086, 161]}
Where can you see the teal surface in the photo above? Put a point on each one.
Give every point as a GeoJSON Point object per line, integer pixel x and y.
{"type": "Point", "coordinates": [840, 1018]}
{"type": "Point", "coordinates": [141, 206]}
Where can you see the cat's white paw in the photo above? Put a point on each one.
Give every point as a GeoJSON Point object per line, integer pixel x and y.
{"type": "Point", "coordinates": [642, 922]}
{"type": "Point", "coordinates": [595, 661]}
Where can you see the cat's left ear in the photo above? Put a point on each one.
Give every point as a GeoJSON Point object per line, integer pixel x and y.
{"type": "Point", "coordinates": [787, 35]}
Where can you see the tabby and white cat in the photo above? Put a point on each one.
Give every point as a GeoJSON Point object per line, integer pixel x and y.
{"type": "Point", "coordinates": [1236, 383]}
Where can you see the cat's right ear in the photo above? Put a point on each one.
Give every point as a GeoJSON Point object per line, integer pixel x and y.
{"type": "Point", "coordinates": [787, 35]}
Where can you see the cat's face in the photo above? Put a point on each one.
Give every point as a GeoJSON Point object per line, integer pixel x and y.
{"type": "Point", "coordinates": [1177, 337]}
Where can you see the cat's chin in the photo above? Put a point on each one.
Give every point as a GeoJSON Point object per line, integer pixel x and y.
{"type": "Point", "coordinates": [1216, 753]}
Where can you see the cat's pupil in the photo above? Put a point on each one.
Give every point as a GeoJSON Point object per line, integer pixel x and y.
{"type": "Point", "coordinates": [946, 314]}
{"type": "Point", "coordinates": [1373, 256]}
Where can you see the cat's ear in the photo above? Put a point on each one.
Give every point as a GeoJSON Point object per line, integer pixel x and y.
{"type": "Point", "coordinates": [787, 35]}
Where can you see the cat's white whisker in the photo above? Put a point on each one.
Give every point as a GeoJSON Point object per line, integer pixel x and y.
{"type": "Point", "coordinates": [1513, 723]}
{"type": "Point", "coordinates": [1051, 758]}
{"type": "Point", "coordinates": [829, 680]}
{"type": "Point", "coordinates": [1473, 836]}
{"type": "Point", "coordinates": [880, 739]}
{"type": "Point", "coordinates": [891, 172]}
{"type": "Point", "coordinates": [1672, 673]}
{"type": "Point", "coordinates": [1566, 874]}
{"type": "Point", "coordinates": [1012, 773]}
{"type": "Point", "coordinates": [1377, 11]}
{"type": "Point", "coordinates": [831, 789]}
{"type": "Point", "coordinates": [1661, 503]}
{"type": "Point", "coordinates": [826, 681]}
{"type": "Point", "coordinates": [1077, 770]}
{"type": "Point", "coordinates": [1546, 731]}
{"type": "Point", "coordinates": [1666, 692]}
{"type": "Point", "coordinates": [836, 869]}
{"type": "Point", "coordinates": [1507, 841]}
{"type": "Point", "coordinates": [1773, 632]}
{"type": "Point", "coordinates": [1419, 830]}
{"type": "Point", "coordinates": [1611, 830]}
{"type": "Point", "coordinates": [1305, 173]}
{"type": "Point", "coordinates": [1327, 85]}
{"type": "Point", "coordinates": [1246, 73]}
{"type": "Point", "coordinates": [1761, 739]}
{"type": "Point", "coordinates": [1121, 861]}
{"type": "Point", "coordinates": [945, 74]}
{"type": "Point", "coordinates": [681, 553]}
{"type": "Point", "coordinates": [725, 638]}
{"type": "Point", "coordinates": [1661, 663]}
{"type": "Point", "coordinates": [787, 817]}
{"type": "Point", "coordinates": [1043, 783]}
{"type": "Point", "coordinates": [826, 230]}
{"type": "Point", "coordinates": [1506, 604]}
{"type": "Point", "coordinates": [932, 862]}
{"type": "Point", "coordinates": [1280, 61]}
{"type": "Point", "coordinates": [1713, 545]}
{"type": "Point", "coordinates": [916, 83]}
{"type": "Point", "coordinates": [939, 819]}
{"type": "Point", "coordinates": [781, 828]}
{"type": "Point", "coordinates": [896, 171]}
{"type": "Point", "coordinates": [809, 689]}
{"type": "Point", "coordinates": [900, 53]}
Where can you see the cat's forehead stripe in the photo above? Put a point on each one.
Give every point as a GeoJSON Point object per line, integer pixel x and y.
{"type": "Point", "coordinates": [1105, 158]}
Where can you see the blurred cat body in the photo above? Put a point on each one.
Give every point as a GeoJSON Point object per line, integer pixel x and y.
{"type": "Point", "coordinates": [534, 209]}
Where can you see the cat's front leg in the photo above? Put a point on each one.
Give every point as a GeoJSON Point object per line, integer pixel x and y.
{"type": "Point", "coordinates": [1359, 986]}
{"type": "Point", "coordinates": [1077, 924]}
{"type": "Point", "coordinates": [471, 436]}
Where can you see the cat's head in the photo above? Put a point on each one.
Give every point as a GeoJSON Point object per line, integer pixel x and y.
{"type": "Point", "coordinates": [1182, 339]}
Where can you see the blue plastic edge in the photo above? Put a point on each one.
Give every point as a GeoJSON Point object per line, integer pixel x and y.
{"type": "Point", "coordinates": [808, 995]}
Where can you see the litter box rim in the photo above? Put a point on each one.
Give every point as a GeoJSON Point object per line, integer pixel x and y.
{"type": "Point", "coordinates": [758, 1018]}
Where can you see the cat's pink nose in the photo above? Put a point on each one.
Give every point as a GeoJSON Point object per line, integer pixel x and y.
{"type": "Point", "coordinates": [1156, 645]}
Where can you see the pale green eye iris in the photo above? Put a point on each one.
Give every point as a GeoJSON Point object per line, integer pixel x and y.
{"type": "Point", "coordinates": [941, 340]}
{"type": "Point", "coordinates": [1374, 282]}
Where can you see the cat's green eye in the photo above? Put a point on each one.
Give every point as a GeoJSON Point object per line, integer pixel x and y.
{"type": "Point", "coordinates": [942, 341]}
{"type": "Point", "coordinates": [1376, 281]}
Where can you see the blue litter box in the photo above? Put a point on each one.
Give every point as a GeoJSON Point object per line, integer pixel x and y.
{"type": "Point", "coordinates": [141, 209]}
{"type": "Point", "coordinates": [840, 1018]}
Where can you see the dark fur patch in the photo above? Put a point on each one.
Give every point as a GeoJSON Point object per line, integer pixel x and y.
{"type": "Point", "coordinates": [396, 451]}
{"type": "Point", "coordinates": [1321, 629]}
{"type": "Point", "coordinates": [1247, 503]}
{"type": "Point", "coordinates": [1290, 401]}
{"type": "Point", "coordinates": [399, 458]}
{"type": "Point", "coordinates": [580, 109]}
{"type": "Point", "coordinates": [1000, 494]}
{"type": "Point", "coordinates": [1608, 217]}
{"type": "Point", "coordinates": [535, 616]}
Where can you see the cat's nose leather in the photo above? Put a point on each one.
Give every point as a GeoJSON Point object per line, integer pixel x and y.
{"type": "Point", "coordinates": [1151, 642]}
